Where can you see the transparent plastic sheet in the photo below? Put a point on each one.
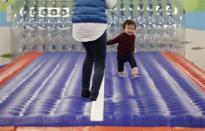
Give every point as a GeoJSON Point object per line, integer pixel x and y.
{"type": "Point", "coordinates": [159, 24]}
{"type": "Point", "coordinates": [45, 25]}
{"type": "Point", "coordinates": [42, 25]}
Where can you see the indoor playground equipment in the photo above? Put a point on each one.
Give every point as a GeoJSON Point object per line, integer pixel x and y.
{"type": "Point", "coordinates": [45, 25]}
{"type": "Point", "coordinates": [41, 87]}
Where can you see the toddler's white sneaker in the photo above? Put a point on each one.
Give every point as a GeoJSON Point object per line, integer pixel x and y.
{"type": "Point", "coordinates": [122, 74]}
{"type": "Point", "coordinates": [135, 72]}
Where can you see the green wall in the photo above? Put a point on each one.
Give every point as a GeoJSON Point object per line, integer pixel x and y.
{"type": "Point", "coordinates": [4, 5]}
{"type": "Point", "coordinates": [193, 5]}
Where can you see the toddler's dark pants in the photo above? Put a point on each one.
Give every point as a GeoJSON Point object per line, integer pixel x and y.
{"type": "Point", "coordinates": [122, 59]}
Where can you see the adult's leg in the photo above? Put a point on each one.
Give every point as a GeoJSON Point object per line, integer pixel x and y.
{"type": "Point", "coordinates": [87, 69]}
{"type": "Point", "coordinates": [99, 53]}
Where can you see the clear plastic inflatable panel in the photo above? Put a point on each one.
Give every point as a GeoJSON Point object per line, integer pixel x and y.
{"type": "Point", "coordinates": [45, 25]}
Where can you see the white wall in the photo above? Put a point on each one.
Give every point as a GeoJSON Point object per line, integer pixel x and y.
{"type": "Point", "coordinates": [195, 38]}
{"type": "Point", "coordinates": [5, 40]}
{"type": "Point", "coordinates": [5, 43]}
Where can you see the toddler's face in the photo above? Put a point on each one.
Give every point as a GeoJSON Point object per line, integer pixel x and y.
{"type": "Point", "coordinates": [130, 29]}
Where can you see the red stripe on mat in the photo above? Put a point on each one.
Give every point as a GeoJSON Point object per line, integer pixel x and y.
{"type": "Point", "coordinates": [9, 71]}
{"type": "Point", "coordinates": [196, 74]}
{"type": "Point", "coordinates": [100, 128]}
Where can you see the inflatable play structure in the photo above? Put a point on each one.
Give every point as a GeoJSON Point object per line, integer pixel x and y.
{"type": "Point", "coordinates": [41, 87]}
{"type": "Point", "coordinates": [44, 25]}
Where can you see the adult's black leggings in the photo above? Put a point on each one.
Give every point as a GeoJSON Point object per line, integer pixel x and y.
{"type": "Point", "coordinates": [95, 55]}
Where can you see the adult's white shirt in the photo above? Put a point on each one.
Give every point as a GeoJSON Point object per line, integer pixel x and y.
{"type": "Point", "coordinates": [85, 32]}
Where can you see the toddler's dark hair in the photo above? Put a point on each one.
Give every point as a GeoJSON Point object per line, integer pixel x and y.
{"type": "Point", "coordinates": [129, 22]}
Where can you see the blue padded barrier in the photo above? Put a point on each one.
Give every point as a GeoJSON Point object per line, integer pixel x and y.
{"type": "Point", "coordinates": [183, 111]}
{"type": "Point", "coordinates": [52, 91]}
{"type": "Point", "coordinates": [47, 93]}
{"type": "Point", "coordinates": [2, 65]}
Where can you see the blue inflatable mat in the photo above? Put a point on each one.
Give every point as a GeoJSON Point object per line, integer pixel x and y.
{"type": "Point", "coordinates": [47, 93]}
